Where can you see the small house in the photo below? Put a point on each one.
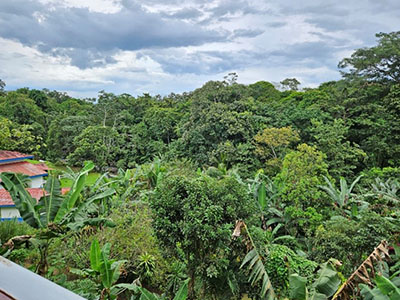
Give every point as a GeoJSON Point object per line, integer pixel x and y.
{"type": "Point", "coordinates": [16, 162]}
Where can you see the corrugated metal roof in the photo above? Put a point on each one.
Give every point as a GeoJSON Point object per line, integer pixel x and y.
{"type": "Point", "coordinates": [5, 197]}
{"type": "Point", "coordinates": [25, 167]}
{"type": "Point", "coordinates": [23, 284]}
{"type": "Point", "coordinates": [6, 155]}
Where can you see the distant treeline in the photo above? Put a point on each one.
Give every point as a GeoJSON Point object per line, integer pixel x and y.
{"type": "Point", "coordinates": [353, 122]}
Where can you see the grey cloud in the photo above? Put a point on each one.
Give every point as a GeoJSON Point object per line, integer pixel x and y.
{"type": "Point", "coordinates": [204, 62]}
{"type": "Point", "coordinates": [325, 8]}
{"type": "Point", "coordinates": [226, 10]}
{"type": "Point", "coordinates": [247, 33]}
{"type": "Point", "coordinates": [79, 28]}
{"type": "Point", "coordinates": [19, 7]}
{"type": "Point", "coordinates": [185, 13]}
{"type": "Point", "coordinates": [85, 58]}
{"type": "Point", "coordinates": [89, 39]}
{"type": "Point", "coordinates": [231, 7]}
{"type": "Point", "coordinates": [310, 53]}
{"type": "Point", "coordinates": [276, 24]}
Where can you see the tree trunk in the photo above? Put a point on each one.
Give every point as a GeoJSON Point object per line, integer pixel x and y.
{"type": "Point", "coordinates": [43, 267]}
{"type": "Point", "coordinates": [191, 284]}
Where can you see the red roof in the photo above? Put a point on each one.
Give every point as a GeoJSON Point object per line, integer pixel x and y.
{"type": "Point", "coordinates": [37, 193]}
{"type": "Point", "coordinates": [25, 167]}
{"type": "Point", "coordinates": [6, 155]}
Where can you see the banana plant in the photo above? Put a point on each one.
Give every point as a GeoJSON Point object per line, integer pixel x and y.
{"type": "Point", "coordinates": [387, 283]}
{"type": "Point", "coordinates": [387, 189]}
{"type": "Point", "coordinates": [264, 192]}
{"type": "Point", "coordinates": [153, 173]}
{"type": "Point", "coordinates": [105, 272]}
{"type": "Point", "coordinates": [325, 286]}
{"type": "Point", "coordinates": [182, 293]}
{"type": "Point", "coordinates": [343, 196]}
{"type": "Point", "coordinates": [54, 214]}
{"type": "Point", "coordinates": [385, 289]}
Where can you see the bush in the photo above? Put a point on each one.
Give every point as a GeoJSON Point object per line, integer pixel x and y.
{"type": "Point", "coordinates": [282, 261]}
{"type": "Point", "coordinates": [350, 241]}
{"type": "Point", "coordinates": [20, 255]}
{"type": "Point", "coordinates": [132, 239]}
{"type": "Point", "coordinates": [382, 173]}
{"type": "Point", "coordinates": [302, 172]}
{"type": "Point", "coordinates": [335, 239]}
{"type": "Point", "coordinates": [199, 215]}
{"type": "Point", "coordinates": [11, 228]}
{"type": "Point", "coordinates": [302, 222]}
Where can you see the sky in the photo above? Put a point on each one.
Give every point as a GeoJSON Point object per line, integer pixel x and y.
{"type": "Point", "coordinates": [162, 46]}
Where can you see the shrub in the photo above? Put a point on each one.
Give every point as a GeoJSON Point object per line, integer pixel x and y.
{"type": "Point", "coordinates": [132, 240]}
{"type": "Point", "coordinates": [281, 261]}
{"type": "Point", "coordinates": [350, 241]}
{"type": "Point", "coordinates": [301, 173]}
{"type": "Point", "coordinates": [11, 228]}
{"type": "Point", "coordinates": [199, 215]}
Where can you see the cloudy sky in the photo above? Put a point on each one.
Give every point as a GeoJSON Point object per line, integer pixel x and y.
{"type": "Point", "coordinates": [163, 46]}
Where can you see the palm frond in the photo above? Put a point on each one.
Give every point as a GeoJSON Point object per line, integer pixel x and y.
{"type": "Point", "coordinates": [254, 262]}
{"type": "Point", "coordinates": [364, 273]}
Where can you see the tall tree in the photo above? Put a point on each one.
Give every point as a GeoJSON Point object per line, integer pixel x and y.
{"type": "Point", "coordinates": [2, 86]}
{"type": "Point", "coordinates": [343, 157]}
{"type": "Point", "coordinates": [301, 173]}
{"type": "Point", "coordinates": [99, 144]}
{"type": "Point", "coordinates": [378, 63]}
{"type": "Point", "coordinates": [197, 216]}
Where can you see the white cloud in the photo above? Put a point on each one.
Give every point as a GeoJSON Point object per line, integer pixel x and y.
{"type": "Point", "coordinates": [174, 46]}
{"type": "Point", "coordinates": [101, 6]}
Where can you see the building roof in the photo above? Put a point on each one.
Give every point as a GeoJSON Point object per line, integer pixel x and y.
{"type": "Point", "coordinates": [22, 284]}
{"type": "Point", "coordinates": [37, 193]}
{"type": "Point", "coordinates": [24, 167]}
{"type": "Point", "coordinates": [12, 156]}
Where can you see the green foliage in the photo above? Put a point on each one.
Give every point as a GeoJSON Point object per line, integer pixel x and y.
{"type": "Point", "coordinates": [264, 91]}
{"type": "Point", "coordinates": [236, 156]}
{"type": "Point", "coordinates": [342, 156]}
{"type": "Point", "coordinates": [291, 84]}
{"type": "Point", "coordinates": [61, 135]}
{"type": "Point", "coordinates": [258, 273]}
{"type": "Point", "coordinates": [182, 293]}
{"type": "Point", "coordinates": [280, 261]}
{"type": "Point", "coordinates": [11, 228]}
{"type": "Point", "coordinates": [299, 222]}
{"type": "Point", "coordinates": [387, 189]}
{"type": "Point", "coordinates": [19, 108]}
{"type": "Point", "coordinates": [300, 176]}
{"type": "Point", "coordinates": [378, 62]}
{"type": "Point", "coordinates": [273, 143]}
{"type": "Point", "coordinates": [54, 214]}
{"type": "Point", "coordinates": [198, 215]}
{"type": "Point", "coordinates": [134, 241]}
{"type": "Point", "coordinates": [98, 144]}
{"type": "Point", "coordinates": [20, 137]}
{"type": "Point", "coordinates": [86, 288]}
{"type": "Point", "coordinates": [105, 271]}
{"type": "Point", "coordinates": [384, 174]}
{"type": "Point", "coordinates": [348, 240]}
{"type": "Point", "coordinates": [325, 285]}
{"type": "Point", "coordinates": [343, 197]}
{"type": "Point", "coordinates": [386, 283]}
